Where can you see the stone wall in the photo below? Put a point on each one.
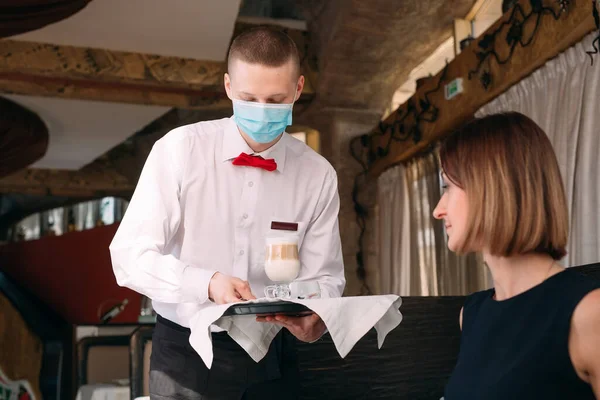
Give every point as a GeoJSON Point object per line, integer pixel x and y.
{"type": "Point", "coordinates": [337, 126]}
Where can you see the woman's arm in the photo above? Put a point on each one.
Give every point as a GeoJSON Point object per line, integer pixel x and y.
{"type": "Point", "coordinates": [584, 340]}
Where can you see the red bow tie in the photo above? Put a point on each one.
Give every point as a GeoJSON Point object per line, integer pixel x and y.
{"type": "Point", "coordinates": [255, 161]}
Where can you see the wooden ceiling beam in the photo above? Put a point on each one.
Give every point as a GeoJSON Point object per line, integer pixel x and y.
{"type": "Point", "coordinates": [552, 37]}
{"type": "Point", "coordinates": [41, 69]}
{"type": "Point", "coordinates": [85, 183]}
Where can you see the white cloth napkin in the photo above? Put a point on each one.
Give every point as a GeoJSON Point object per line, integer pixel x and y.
{"type": "Point", "coordinates": [347, 319]}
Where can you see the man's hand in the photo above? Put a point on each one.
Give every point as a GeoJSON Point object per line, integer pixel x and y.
{"type": "Point", "coordinates": [306, 329]}
{"type": "Point", "coordinates": [224, 289]}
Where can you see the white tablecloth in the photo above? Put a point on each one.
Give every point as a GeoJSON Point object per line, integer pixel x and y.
{"type": "Point", "coordinates": [103, 391]}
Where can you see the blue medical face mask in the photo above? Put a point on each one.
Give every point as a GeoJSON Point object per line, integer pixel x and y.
{"type": "Point", "coordinates": [262, 122]}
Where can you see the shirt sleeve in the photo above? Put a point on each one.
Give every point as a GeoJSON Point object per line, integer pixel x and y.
{"type": "Point", "coordinates": [152, 218]}
{"type": "Point", "coordinates": [321, 250]}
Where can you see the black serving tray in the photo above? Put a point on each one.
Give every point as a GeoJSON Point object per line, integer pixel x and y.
{"type": "Point", "coordinates": [271, 308]}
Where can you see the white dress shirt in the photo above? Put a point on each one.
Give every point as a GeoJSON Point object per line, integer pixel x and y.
{"type": "Point", "coordinates": [194, 213]}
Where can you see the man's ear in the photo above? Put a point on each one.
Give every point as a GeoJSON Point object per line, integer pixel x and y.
{"type": "Point", "coordinates": [227, 84]}
{"type": "Point", "coordinates": [299, 87]}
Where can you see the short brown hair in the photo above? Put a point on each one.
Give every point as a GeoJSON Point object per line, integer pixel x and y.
{"type": "Point", "coordinates": [508, 169]}
{"type": "Point", "coordinates": [266, 46]}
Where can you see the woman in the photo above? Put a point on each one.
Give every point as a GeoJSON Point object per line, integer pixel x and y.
{"type": "Point", "coordinates": [536, 335]}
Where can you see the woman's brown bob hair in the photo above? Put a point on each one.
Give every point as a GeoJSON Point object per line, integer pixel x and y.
{"type": "Point", "coordinates": [507, 167]}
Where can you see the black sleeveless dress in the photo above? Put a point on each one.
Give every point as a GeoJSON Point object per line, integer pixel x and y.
{"type": "Point", "coordinates": [518, 348]}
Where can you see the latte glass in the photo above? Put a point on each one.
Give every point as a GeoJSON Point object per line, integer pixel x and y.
{"type": "Point", "coordinates": [282, 265]}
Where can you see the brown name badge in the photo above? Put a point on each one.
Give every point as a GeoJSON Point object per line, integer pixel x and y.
{"type": "Point", "coordinates": [284, 226]}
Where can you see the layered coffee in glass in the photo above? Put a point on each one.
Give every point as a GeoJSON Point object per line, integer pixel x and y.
{"type": "Point", "coordinates": [282, 265]}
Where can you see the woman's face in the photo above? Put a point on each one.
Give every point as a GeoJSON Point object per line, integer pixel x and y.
{"type": "Point", "coordinates": [453, 209]}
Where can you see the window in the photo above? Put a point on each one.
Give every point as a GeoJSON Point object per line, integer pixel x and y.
{"type": "Point", "coordinates": [78, 217]}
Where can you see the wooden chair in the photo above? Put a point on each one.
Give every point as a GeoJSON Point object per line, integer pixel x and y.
{"type": "Point", "coordinates": [140, 351]}
{"type": "Point", "coordinates": [102, 359]}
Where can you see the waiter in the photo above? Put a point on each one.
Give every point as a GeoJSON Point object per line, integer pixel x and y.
{"type": "Point", "coordinates": [194, 232]}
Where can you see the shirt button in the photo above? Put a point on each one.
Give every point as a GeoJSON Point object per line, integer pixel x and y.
{"type": "Point", "coordinates": [245, 216]}
{"type": "Point", "coordinates": [241, 252]}
{"type": "Point", "coordinates": [250, 184]}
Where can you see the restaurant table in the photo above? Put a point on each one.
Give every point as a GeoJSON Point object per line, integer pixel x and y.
{"type": "Point", "coordinates": [103, 391]}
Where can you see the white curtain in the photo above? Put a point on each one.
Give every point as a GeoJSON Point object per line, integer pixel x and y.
{"type": "Point", "coordinates": [563, 97]}
{"type": "Point", "coordinates": [86, 215]}
{"type": "Point", "coordinates": [413, 256]}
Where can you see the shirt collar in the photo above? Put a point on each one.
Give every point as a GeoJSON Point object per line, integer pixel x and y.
{"type": "Point", "coordinates": [234, 144]}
